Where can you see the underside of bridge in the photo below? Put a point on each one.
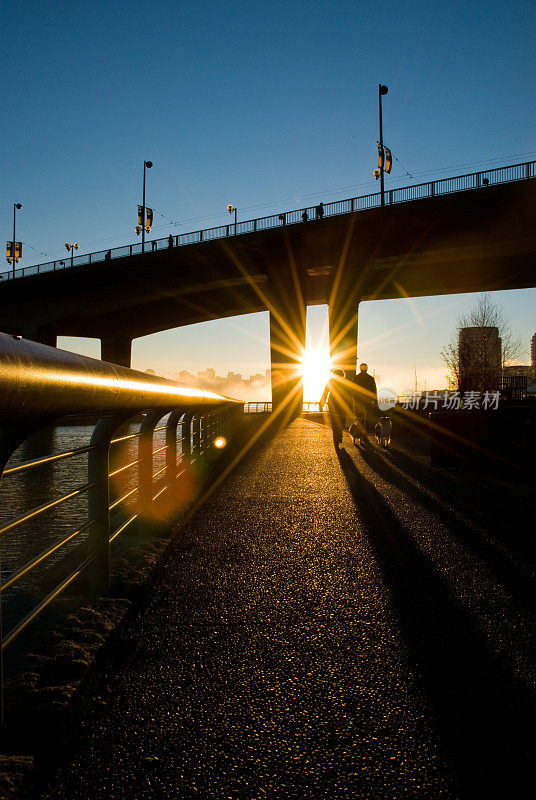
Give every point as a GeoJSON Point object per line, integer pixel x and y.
{"type": "Point", "coordinates": [478, 240]}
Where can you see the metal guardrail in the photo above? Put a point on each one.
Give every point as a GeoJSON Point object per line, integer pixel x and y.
{"type": "Point", "coordinates": [420, 191]}
{"type": "Point", "coordinates": [265, 407]}
{"type": "Point", "coordinates": [38, 386]}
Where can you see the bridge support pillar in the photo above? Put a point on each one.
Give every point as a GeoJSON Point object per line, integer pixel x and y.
{"type": "Point", "coordinates": [44, 334]}
{"type": "Point", "coordinates": [343, 319]}
{"type": "Point", "coordinates": [287, 344]}
{"type": "Point", "coordinates": [116, 350]}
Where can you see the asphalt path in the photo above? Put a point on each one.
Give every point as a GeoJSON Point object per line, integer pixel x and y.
{"type": "Point", "coordinates": [342, 624]}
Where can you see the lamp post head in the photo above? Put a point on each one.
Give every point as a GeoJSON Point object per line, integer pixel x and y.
{"type": "Point", "coordinates": [383, 89]}
{"type": "Point", "coordinates": [148, 164]}
{"type": "Point", "coordinates": [230, 208]}
{"type": "Point", "coordinates": [18, 205]}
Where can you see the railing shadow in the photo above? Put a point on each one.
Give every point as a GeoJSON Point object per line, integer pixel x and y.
{"type": "Point", "coordinates": [482, 716]}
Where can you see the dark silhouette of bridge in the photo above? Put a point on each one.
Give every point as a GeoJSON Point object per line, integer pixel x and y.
{"type": "Point", "coordinates": [464, 234]}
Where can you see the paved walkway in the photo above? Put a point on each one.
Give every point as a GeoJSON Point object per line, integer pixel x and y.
{"type": "Point", "coordinates": [332, 626]}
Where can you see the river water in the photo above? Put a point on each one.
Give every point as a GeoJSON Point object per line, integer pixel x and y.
{"type": "Point", "coordinates": [27, 490]}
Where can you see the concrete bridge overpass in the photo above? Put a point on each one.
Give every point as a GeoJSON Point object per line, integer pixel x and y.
{"type": "Point", "coordinates": [473, 233]}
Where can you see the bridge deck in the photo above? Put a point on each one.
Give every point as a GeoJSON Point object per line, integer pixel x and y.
{"type": "Point", "coordinates": [353, 627]}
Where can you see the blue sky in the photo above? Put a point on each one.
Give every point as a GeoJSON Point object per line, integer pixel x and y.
{"type": "Point", "coordinates": [260, 105]}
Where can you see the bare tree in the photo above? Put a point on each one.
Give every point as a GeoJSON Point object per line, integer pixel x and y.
{"type": "Point", "coordinates": [482, 344]}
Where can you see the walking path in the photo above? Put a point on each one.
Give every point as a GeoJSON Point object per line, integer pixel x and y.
{"type": "Point", "coordinates": [331, 626]}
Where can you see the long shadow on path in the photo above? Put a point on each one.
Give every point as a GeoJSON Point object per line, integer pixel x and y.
{"type": "Point", "coordinates": [485, 723]}
{"type": "Point", "coordinates": [487, 537]}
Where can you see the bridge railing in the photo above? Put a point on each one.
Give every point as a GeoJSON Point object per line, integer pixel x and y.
{"type": "Point", "coordinates": [420, 191]}
{"type": "Point", "coordinates": [144, 444]}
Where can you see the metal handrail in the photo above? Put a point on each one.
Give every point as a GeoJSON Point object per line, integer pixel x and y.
{"type": "Point", "coordinates": [419, 191]}
{"type": "Point", "coordinates": [36, 512]}
{"type": "Point", "coordinates": [40, 385]}
{"type": "Point", "coordinates": [40, 380]}
{"type": "Point", "coordinates": [44, 555]}
{"type": "Point", "coordinates": [38, 462]}
{"type": "Point", "coordinates": [14, 632]}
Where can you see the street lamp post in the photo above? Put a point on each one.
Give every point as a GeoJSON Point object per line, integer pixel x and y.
{"type": "Point", "coordinates": [230, 209]}
{"type": "Point", "coordinates": [16, 207]}
{"type": "Point", "coordinates": [146, 165]}
{"type": "Point", "coordinates": [71, 248]}
{"type": "Point", "coordinates": [381, 91]}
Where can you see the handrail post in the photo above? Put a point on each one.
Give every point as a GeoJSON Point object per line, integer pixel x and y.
{"type": "Point", "coordinates": [171, 448]}
{"type": "Point", "coordinates": [196, 435]}
{"type": "Point", "coordinates": [99, 504]}
{"type": "Point", "coordinates": [187, 435]}
{"type": "Point", "coordinates": [145, 473]}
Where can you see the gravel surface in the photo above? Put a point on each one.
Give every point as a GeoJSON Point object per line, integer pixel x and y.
{"type": "Point", "coordinates": [347, 625]}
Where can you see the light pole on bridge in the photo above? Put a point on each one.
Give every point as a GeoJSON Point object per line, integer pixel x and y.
{"type": "Point", "coordinates": [384, 154]}
{"type": "Point", "coordinates": [16, 247]}
{"type": "Point", "coordinates": [143, 222]}
{"type": "Point", "coordinates": [70, 249]}
{"type": "Point", "coordinates": [230, 209]}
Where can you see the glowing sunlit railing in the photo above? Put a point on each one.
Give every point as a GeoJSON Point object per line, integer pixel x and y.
{"type": "Point", "coordinates": [133, 480]}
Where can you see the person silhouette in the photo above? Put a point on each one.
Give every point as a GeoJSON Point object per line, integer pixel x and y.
{"type": "Point", "coordinates": [337, 394]}
{"type": "Point", "coordinates": [305, 216]}
{"type": "Point", "coordinates": [320, 211]}
{"type": "Point", "coordinates": [365, 401]}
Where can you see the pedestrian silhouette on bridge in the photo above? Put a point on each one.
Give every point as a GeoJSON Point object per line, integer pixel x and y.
{"type": "Point", "coordinates": [338, 395]}
{"type": "Point", "coordinates": [365, 402]}
{"type": "Point", "coordinates": [320, 211]}
{"type": "Point", "coordinates": [170, 240]}
{"type": "Point", "coordinates": [305, 216]}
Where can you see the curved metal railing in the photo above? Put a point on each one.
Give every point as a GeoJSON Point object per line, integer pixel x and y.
{"type": "Point", "coordinates": [131, 479]}
{"type": "Point", "coordinates": [420, 191]}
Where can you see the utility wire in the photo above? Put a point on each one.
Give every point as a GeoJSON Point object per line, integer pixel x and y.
{"type": "Point", "coordinates": [37, 249]}
{"type": "Point", "coordinates": [295, 199]}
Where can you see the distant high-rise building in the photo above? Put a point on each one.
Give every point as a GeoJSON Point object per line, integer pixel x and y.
{"type": "Point", "coordinates": [533, 350]}
{"type": "Point", "coordinates": [479, 355]}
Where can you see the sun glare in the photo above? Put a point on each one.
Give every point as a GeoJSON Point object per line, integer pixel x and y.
{"type": "Point", "coordinates": [316, 366]}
